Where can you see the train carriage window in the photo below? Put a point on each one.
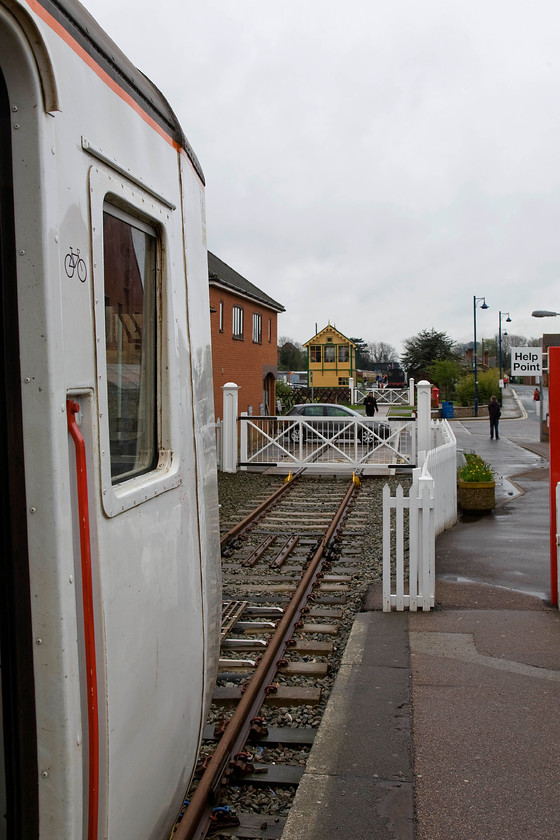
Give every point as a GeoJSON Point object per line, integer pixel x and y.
{"type": "Point", "coordinates": [130, 288]}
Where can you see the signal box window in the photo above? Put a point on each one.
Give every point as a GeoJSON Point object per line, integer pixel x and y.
{"type": "Point", "coordinates": [343, 353]}
{"type": "Point", "coordinates": [130, 259]}
{"type": "Point", "coordinates": [237, 322]}
{"type": "Point", "coordinates": [315, 353]}
{"type": "Point", "coordinates": [329, 353]}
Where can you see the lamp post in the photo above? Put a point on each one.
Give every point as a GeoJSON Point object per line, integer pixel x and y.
{"type": "Point", "coordinates": [508, 320]}
{"type": "Point", "coordinates": [484, 305]}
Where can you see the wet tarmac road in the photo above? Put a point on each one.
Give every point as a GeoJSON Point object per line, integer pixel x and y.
{"type": "Point", "coordinates": [510, 546]}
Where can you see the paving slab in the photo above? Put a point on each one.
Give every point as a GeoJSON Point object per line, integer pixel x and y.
{"type": "Point", "coordinates": [358, 778]}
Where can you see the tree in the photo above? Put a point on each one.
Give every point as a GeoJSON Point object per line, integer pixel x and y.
{"type": "Point", "coordinates": [445, 373]}
{"type": "Point", "coordinates": [363, 360]}
{"type": "Point", "coordinates": [425, 348]}
{"type": "Point", "coordinates": [380, 351]}
{"type": "Point", "coordinates": [291, 355]}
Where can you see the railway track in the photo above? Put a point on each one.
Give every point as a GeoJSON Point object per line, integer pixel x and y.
{"type": "Point", "coordinates": [296, 562]}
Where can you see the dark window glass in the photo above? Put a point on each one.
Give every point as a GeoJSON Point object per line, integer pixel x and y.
{"type": "Point", "coordinates": [130, 334]}
{"type": "Point", "coordinates": [315, 353]}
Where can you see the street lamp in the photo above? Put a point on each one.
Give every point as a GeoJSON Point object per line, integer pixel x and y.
{"type": "Point", "coordinates": [544, 313]}
{"type": "Point", "coordinates": [508, 320]}
{"type": "Point", "coordinates": [484, 305]}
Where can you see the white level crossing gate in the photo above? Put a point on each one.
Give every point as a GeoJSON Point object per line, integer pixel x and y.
{"type": "Point", "coordinates": [294, 442]}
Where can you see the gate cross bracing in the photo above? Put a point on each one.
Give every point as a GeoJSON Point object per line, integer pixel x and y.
{"type": "Point", "coordinates": [311, 442]}
{"type": "Point", "coordinates": [384, 396]}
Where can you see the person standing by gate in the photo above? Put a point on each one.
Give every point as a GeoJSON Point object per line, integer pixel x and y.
{"type": "Point", "coordinates": [494, 415]}
{"type": "Point", "coordinates": [371, 404]}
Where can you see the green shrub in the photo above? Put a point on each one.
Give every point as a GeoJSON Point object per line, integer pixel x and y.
{"type": "Point", "coordinates": [488, 384]}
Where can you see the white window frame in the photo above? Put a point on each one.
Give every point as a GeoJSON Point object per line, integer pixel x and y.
{"type": "Point", "coordinates": [110, 189]}
{"type": "Point", "coordinates": [257, 328]}
{"type": "Point", "coordinates": [237, 321]}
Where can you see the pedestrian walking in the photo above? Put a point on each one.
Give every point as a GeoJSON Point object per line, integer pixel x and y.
{"type": "Point", "coordinates": [371, 404]}
{"type": "Point", "coordinates": [494, 413]}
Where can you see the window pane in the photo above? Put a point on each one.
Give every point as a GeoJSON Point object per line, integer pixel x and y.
{"type": "Point", "coordinates": [237, 322]}
{"type": "Point", "coordinates": [315, 353]}
{"type": "Point", "coordinates": [329, 353]}
{"type": "Point", "coordinates": [343, 353]}
{"type": "Point", "coordinates": [257, 328]}
{"type": "Point", "coordinates": [130, 331]}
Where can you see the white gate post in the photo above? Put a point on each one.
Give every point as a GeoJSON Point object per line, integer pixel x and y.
{"type": "Point", "coordinates": [424, 418]}
{"type": "Point", "coordinates": [352, 395]}
{"type": "Point", "coordinates": [229, 427]}
{"type": "Point", "coordinates": [411, 391]}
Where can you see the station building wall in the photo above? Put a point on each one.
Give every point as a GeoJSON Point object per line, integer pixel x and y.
{"type": "Point", "coordinates": [249, 363]}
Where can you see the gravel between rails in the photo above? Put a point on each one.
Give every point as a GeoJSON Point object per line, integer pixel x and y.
{"type": "Point", "coordinates": [240, 493]}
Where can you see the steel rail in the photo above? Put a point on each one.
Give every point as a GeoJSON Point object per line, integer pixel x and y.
{"type": "Point", "coordinates": [255, 514]}
{"type": "Point", "coordinates": [196, 820]}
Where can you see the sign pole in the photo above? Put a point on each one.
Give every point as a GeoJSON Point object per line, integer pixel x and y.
{"type": "Point", "coordinates": [554, 433]}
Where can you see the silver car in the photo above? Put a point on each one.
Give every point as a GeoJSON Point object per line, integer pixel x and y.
{"type": "Point", "coordinates": [330, 420]}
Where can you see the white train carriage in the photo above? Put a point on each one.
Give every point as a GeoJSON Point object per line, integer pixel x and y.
{"type": "Point", "coordinates": [110, 590]}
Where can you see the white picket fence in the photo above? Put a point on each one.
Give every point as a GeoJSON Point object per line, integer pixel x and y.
{"type": "Point", "coordinates": [429, 508]}
{"type": "Point", "coordinates": [441, 464]}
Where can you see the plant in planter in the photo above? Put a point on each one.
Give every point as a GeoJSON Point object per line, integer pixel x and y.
{"type": "Point", "coordinates": [477, 485]}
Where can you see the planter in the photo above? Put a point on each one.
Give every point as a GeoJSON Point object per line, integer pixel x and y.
{"type": "Point", "coordinates": [477, 495]}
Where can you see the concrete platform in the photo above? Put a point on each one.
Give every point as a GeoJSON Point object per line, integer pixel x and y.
{"type": "Point", "coordinates": [446, 725]}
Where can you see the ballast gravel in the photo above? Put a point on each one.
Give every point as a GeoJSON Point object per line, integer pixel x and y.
{"type": "Point", "coordinates": [240, 493]}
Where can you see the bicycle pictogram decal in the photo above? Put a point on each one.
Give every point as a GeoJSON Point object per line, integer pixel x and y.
{"type": "Point", "coordinates": [73, 263]}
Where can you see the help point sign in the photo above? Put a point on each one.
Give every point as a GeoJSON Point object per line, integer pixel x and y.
{"type": "Point", "coordinates": [526, 361]}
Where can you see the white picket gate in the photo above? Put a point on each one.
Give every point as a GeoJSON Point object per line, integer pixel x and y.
{"type": "Point", "coordinates": [420, 504]}
{"type": "Point", "coordinates": [429, 508]}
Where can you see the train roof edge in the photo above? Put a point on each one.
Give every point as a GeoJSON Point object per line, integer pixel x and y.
{"type": "Point", "coordinates": [86, 31]}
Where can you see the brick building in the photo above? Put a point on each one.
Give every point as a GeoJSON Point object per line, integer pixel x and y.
{"type": "Point", "coordinates": [244, 339]}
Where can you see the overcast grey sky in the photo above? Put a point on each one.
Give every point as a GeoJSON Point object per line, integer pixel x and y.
{"type": "Point", "coordinates": [375, 164]}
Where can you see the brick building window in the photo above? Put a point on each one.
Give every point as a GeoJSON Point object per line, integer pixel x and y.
{"type": "Point", "coordinates": [238, 322]}
{"type": "Point", "coordinates": [257, 328]}
{"type": "Point", "coordinates": [269, 330]}
{"type": "Point", "coordinates": [221, 315]}
{"type": "Point", "coordinates": [315, 353]}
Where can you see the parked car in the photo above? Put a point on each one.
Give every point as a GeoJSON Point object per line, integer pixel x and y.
{"type": "Point", "coordinates": [329, 414]}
